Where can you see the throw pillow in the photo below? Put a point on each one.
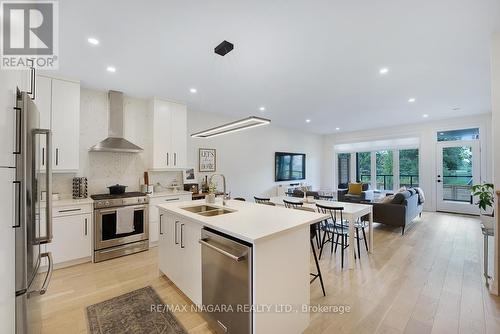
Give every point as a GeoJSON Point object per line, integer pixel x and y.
{"type": "Point", "coordinates": [355, 189]}
{"type": "Point", "coordinates": [387, 199]}
{"type": "Point", "coordinates": [421, 197]}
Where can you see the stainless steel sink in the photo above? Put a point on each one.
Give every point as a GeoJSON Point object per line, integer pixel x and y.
{"type": "Point", "coordinates": [216, 212]}
{"type": "Point", "coordinates": [207, 210]}
{"type": "Point", "coordinates": [200, 208]}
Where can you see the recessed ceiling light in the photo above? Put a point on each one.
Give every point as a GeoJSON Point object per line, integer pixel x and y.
{"type": "Point", "coordinates": [93, 41]}
{"type": "Point", "coordinates": [262, 108]}
{"type": "Point", "coordinates": [193, 90]}
{"type": "Point", "coordinates": [411, 99]}
{"type": "Point", "coordinates": [425, 115]}
{"type": "Point", "coordinates": [383, 70]}
{"type": "Point", "coordinates": [111, 69]}
{"type": "Point", "coordinates": [308, 120]}
{"type": "Point", "coordinates": [337, 129]}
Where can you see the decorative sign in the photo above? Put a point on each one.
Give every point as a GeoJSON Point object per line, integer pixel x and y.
{"type": "Point", "coordinates": [207, 160]}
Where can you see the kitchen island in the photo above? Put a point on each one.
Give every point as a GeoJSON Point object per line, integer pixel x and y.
{"type": "Point", "coordinates": [280, 266]}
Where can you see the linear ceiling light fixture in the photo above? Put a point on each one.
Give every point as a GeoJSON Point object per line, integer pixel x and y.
{"type": "Point", "coordinates": [242, 124]}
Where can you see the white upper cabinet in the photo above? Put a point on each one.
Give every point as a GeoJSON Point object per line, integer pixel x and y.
{"type": "Point", "coordinates": [59, 104]}
{"type": "Point", "coordinates": [169, 134]}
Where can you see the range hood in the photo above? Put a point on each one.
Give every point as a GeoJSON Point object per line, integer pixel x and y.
{"type": "Point", "coordinates": [115, 141]}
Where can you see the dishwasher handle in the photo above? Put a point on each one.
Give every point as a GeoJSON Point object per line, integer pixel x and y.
{"type": "Point", "coordinates": [236, 258]}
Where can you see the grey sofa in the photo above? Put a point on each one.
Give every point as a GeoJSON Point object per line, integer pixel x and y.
{"type": "Point", "coordinates": [401, 211]}
{"type": "Point", "coordinates": [366, 195]}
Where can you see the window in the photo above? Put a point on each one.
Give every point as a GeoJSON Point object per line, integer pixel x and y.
{"type": "Point", "coordinates": [344, 165]}
{"type": "Point", "coordinates": [384, 177]}
{"type": "Point", "coordinates": [363, 167]}
{"type": "Point", "coordinates": [408, 168]}
{"type": "Point", "coordinates": [462, 134]}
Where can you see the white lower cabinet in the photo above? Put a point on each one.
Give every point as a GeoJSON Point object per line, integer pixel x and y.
{"type": "Point", "coordinates": [154, 212]}
{"type": "Point", "coordinates": [180, 254]}
{"type": "Point", "coordinates": [72, 228]}
{"type": "Point", "coordinates": [71, 238]}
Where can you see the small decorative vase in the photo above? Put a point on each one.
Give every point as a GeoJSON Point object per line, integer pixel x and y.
{"type": "Point", "coordinates": [210, 198]}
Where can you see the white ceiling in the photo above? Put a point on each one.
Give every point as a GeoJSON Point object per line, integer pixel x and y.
{"type": "Point", "coordinates": [315, 60]}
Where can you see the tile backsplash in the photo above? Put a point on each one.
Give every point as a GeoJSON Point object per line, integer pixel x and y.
{"type": "Point", "coordinates": [104, 168]}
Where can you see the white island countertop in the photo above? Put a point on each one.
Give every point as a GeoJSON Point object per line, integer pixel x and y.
{"type": "Point", "coordinates": [169, 193]}
{"type": "Point", "coordinates": [250, 222]}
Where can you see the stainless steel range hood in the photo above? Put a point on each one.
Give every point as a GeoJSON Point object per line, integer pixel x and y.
{"type": "Point", "coordinates": [115, 141]}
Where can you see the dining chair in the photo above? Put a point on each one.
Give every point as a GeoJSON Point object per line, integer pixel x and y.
{"type": "Point", "coordinates": [325, 197]}
{"type": "Point", "coordinates": [261, 200]}
{"type": "Point", "coordinates": [312, 232]}
{"type": "Point", "coordinates": [292, 204]}
{"type": "Point", "coordinates": [335, 226]}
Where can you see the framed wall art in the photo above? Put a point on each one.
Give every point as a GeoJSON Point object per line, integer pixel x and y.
{"type": "Point", "coordinates": [207, 159]}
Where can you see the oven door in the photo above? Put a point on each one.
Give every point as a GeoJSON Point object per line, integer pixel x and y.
{"type": "Point", "coordinates": [106, 226]}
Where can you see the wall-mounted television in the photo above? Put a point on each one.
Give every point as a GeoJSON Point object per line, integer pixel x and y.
{"type": "Point", "coordinates": [289, 166]}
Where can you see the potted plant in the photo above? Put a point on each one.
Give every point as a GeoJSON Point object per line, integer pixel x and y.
{"type": "Point", "coordinates": [212, 189]}
{"type": "Point", "coordinates": [485, 201]}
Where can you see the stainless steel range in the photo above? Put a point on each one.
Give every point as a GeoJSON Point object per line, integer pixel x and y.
{"type": "Point", "coordinates": [121, 225]}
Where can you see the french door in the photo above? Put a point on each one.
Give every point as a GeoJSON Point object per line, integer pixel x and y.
{"type": "Point", "coordinates": [458, 169]}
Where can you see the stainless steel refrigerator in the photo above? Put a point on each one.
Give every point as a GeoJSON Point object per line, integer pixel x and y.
{"type": "Point", "coordinates": [33, 218]}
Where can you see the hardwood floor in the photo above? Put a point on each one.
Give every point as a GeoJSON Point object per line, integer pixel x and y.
{"type": "Point", "coordinates": [428, 281]}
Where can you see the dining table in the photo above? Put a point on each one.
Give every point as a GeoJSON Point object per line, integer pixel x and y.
{"type": "Point", "coordinates": [352, 212]}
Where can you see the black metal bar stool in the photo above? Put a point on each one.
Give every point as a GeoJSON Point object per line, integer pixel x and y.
{"type": "Point", "coordinates": [313, 232]}
{"type": "Point", "coordinates": [292, 204]}
{"type": "Point", "coordinates": [261, 200]}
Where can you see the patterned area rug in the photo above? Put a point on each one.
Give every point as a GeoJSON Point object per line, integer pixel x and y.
{"type": "Point", "coordinates": [131, 313]}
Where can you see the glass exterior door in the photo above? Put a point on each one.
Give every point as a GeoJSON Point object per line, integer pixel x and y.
{"type": "Point", "coordinates": [458, 169]}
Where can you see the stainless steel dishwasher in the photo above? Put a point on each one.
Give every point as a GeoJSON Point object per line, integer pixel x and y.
{"type": "Point", "coordinates": [226, 282]}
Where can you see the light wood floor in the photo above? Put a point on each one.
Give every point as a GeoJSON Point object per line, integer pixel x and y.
{"type": "Point", "coordinates": [428, 281]}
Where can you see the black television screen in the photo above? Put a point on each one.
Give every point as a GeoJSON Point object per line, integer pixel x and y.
{"type": "Point", "coordinates": [289, 166]}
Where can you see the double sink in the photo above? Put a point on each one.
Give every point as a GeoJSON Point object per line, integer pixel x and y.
{"type": "Point", "coordinates": [207, 210]}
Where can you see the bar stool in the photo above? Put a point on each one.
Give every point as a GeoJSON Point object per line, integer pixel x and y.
{"type": "Point", "coordinates": [334, 226]}
{"type": "Point", "coordinates": [261, 200]}
{"type": "Point", "coordinates": [292, 204]}
{"type": "Point", "coordinates": [312, 232]}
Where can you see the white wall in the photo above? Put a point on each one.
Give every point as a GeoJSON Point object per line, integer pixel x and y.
{"type": "Point", "coordinates": [246, 158]}
{"type": "Point", "coordinates": [495, 101]}
{"type": "Point", "coordinates": [426, 132]}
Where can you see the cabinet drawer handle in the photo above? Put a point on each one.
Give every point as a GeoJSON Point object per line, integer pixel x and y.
{"type": "Point", "coordinates": [32, 78]}
{"type": "Point", "coordinates": [17, 149]}
{"type": "Point", "coordinates": [175, 236]}
{"type": "Point", "coordinates": [182, 235]}
{"type": "Point", "coordinates": [172, 199]}
{"type": "Point", "coordinates": [175, 159]}
{"type": "Point", "coordinates": [18, 200]}
{"type": "Point", "coordinates": [69, 210]}
{"type": "Point", "coordinates": [167, 160]}
{"type": "Point", "coordinates": [43, 156]}
{"type": "Point", "coordinates": [85, 226]}
{"type": "Point", "coordinates": [161, 216]}
{"type": "Point", "coordinates": [57, 156]}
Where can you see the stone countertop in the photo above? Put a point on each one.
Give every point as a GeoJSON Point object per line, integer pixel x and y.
{"type": "Point", "coordinates": [169, 193]}
{"type": "Point", "coordinates": [69, 202]}
{"type": "Point", "coordinates": [250, 222]}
